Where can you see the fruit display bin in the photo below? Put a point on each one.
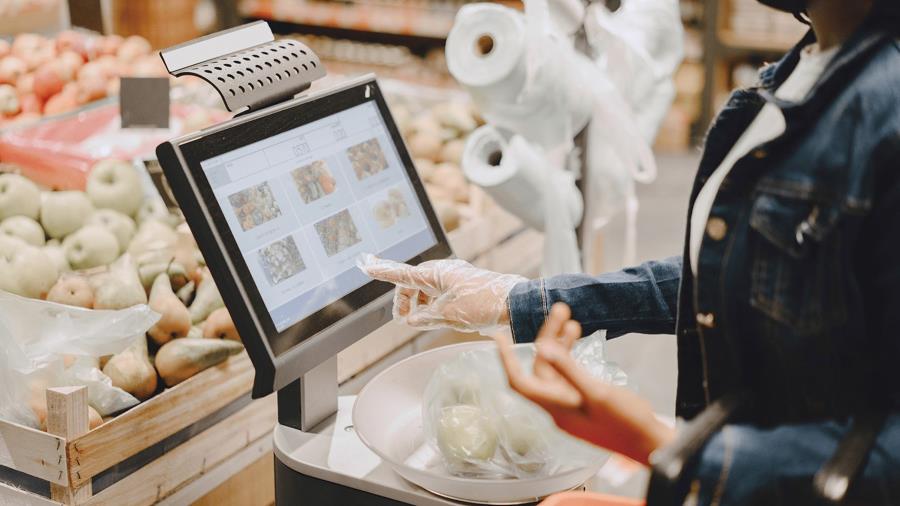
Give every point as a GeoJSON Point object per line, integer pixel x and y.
{"type": "Point", "coordinates": [198, 430]}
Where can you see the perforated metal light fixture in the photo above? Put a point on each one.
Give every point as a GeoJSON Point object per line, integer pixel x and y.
{"type": "Point", "coordinates": [246, 65]}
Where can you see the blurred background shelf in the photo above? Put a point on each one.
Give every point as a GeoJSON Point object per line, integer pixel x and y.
{"type": "Point", "coordinates": [739, 36]}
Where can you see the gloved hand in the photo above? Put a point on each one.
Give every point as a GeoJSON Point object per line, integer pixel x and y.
{"type": "Point", "coordinates": [445, 293]}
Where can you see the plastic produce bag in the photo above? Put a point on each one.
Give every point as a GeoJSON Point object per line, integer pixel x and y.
{"type": "Point", "coordinates": [483, 429]}
{"type": "Point", "coordinates": [44, 344]}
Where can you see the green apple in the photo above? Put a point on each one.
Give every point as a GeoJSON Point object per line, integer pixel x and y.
{"type": "Point", "coordinates": [24, 228]}
{"type": "Point", "coordinates": [64, 212]}
{"type": "Point", "coordinates": [115, 184]}
{"type": "Point", "coordinates": [57, 255]}
{"type": "Point", "coordinates": [25, 269]}
{"type": "Point", "coordinates": [119, 224]}
{"type": "Point", "coordinates": [91, 246]}
{"type": "Point", "coordinates": [154, 210]}
{"type": "Point", "coordinates": [18, 196]}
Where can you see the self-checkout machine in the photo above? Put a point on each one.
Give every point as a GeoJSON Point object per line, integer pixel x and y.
{"type": "Point", "coordinates": [281, 200]}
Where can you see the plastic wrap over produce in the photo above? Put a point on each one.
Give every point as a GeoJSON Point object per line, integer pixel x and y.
{"type": "Point", "coordinates": [482, 429]}
{"type": "Point", "coordinates": [59, 153]}
{"type": "Point", "coordinates": [44, 344]}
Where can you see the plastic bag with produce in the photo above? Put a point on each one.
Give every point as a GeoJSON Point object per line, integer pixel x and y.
{"type": "Point", "coordinates": [482, 429]}
{"type": "Point", "coordinates": [44, 344]}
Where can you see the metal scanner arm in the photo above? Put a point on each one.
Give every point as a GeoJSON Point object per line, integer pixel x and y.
{"type": "Point", "coordinates": [246, 65]}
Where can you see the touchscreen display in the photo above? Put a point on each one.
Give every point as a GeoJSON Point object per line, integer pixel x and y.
{"type": "Point", "coordinates": [302, 205]}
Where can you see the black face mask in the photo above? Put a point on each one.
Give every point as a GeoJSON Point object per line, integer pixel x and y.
{"type": "Point", "coordinates": [792, 6]}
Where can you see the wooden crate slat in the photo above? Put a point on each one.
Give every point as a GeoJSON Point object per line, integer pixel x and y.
{"type": "Point", "coordinates": [191, 460]}
{"type": "Point", "coordinates": [160, 417]}
{"type": "Point", "coordinates": [237, 463]}
{"type": "Point", "coordinates": [34, 452]}
{"type": "Point", "coordinates": [12, 495]}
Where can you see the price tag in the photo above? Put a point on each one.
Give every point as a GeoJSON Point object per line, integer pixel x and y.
{"type": "Point", "coordinates": [144, 102]}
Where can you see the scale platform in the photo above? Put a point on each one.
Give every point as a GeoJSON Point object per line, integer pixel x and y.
{"type": "Point", "coordinates": [330, 465]}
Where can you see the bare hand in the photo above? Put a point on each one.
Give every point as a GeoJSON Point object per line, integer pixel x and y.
{"type": "Point", "coordinates": [605, 415]}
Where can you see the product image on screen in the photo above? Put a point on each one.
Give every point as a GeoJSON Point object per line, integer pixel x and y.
{"type": "Point", "coordinates": [281, 260]}
{"type": "Point", "coordinates": [367, 158]}
{"type": "Point", "coordinates": [314, 181]}
{"type": "Point", "coordinates": [338, 233]}
{"type": "Point", "coordinates": [302, 206]}
{"type": "Point", "coordinates": [388, 211]}
{"type": "Point", "coordinates": [254, 206]}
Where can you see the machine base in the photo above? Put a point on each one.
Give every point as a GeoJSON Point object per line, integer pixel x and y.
{"type": "Point", "coordinates": [292, 487]}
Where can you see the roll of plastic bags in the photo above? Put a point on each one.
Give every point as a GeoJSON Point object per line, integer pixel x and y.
{"type": "Point", "coordinates": [519, 177]}
{"type": "Point", "coordinates": [37, 338]}
{"type": "Point", "coordinates": [640, 46]}
{"type": "Point", "coordinates": [480, 428]}
{"type": "Point", "coordinates": [518, 73]}
{"type": "Point", "coordinates": [527, 79]}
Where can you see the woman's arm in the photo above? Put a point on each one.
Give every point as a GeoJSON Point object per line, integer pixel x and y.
{"type": "Point", "coordinates": [638, 299]}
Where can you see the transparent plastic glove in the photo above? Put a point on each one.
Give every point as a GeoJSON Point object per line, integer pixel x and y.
{"type": "Point", "coordinates": [445, 293]}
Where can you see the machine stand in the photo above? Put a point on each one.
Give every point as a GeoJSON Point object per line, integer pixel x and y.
{"type": "Point", "coordinates": [316, 394]}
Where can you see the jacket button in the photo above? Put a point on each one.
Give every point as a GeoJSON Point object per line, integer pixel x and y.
{"type": "Point", "coordinates": [707, 320]}
{"type": "Point", "coordinates": [716, 228]}
{"type": "Point", "coordinates": [759, 154]}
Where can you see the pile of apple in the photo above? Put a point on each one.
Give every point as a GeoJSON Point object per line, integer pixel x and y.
{"type": "Point", "coordinates": [109, 247]}
{"type": "Point", "coordinates": [40, 76]}
{"type": "Point", "coordinates": [436, 137]}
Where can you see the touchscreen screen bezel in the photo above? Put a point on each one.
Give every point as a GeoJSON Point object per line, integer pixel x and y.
{"type": "Point", "coordinates": [258, 127]}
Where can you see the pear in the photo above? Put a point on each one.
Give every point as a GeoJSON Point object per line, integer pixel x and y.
{"type": "Point", "coordinates": [24, 228]}
{"type": "Point", "coordinates": [175, 319]}
{"type": "Point", "coordinates": [115, 184]}
{"type": "Point", "coordinates": [186, 252]}
{"type": "Point", "coordinates": [73, 290]}
{"type": "Point", "coordinates": [180, 359]}
{"type": "Point", "coordinates": [207, 298]}
{"type": "Point", "coordinates": [154, 242]}
{"type": "Point", "coordinates": [186, 292]}
{"type": "Point", "coordinates": [25, 269]}
{"type": "Point", "coordinates": [64, 212]}
{"type": "Point", "coordinates": [91, 246]}
{"type": "Point", "coordinates": [176, 273]}
{"type": "Point", "coordinates": [19, 197]}
{"type": "Point", "coordinates": [119, 224]}
{"type": "Point", "coordinates": [119, 287]}
{"type": "Point", "coordinates": [219, 325]}
{"type": "Point", "coordinates": [132, 371]}
{"type": "Point", "coordinates": [196, 332]}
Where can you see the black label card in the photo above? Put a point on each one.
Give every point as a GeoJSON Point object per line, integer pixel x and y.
{"type": "Point", "coordinates": [144, 102]}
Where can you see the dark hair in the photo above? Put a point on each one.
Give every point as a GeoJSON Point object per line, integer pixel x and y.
{"type": "Point", "coordinates": [886, 14]}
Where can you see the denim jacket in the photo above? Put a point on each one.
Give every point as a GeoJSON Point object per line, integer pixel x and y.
{"type": "Point", "coordinates": [797, 294]}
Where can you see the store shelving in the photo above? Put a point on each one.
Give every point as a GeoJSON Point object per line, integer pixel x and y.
{"type": "Point", "coordinates": [740, 32]}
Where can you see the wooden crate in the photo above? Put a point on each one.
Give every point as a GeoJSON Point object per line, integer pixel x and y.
{"type": "Point", "coordinates": [152, 453]}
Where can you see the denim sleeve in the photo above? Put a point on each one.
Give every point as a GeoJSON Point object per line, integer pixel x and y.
{"type": "Point", "coordinates": [638, 299]}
